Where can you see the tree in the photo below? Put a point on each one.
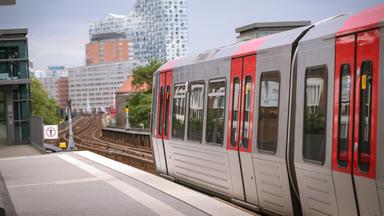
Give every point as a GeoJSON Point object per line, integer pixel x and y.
{"type": "Point", "coordinates": [42, 104]}
{"type": "Point", "coordinates": [144, 74]}
{"type": "Point", "coordinates": [139, 103]}
{"type": "Point", "coordinates": [139, 106]}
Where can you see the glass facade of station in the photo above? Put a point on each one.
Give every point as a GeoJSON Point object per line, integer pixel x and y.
{"type": "Point", "coordinates": [15, 103]}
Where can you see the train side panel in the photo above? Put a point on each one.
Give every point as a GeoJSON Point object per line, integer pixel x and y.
{"type": "Point", "coordinates": [313, 129]}
{"type": "Point", "coordinates": [191, 157]}
{"type": "Point", "coordinates": [156, 142]}
{"type": "Point", "coordinates": [273, 75]}
{"type": "Point", "coordinates": [380, 128]}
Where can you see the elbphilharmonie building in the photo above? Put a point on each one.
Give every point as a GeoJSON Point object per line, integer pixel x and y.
{"type": "Point", "coordinates": [158, 29]}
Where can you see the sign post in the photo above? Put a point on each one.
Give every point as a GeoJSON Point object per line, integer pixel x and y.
{"type": "Point", "coordinates": [126, 110]}
{"type": "Point", "coordinates": [71, 142]}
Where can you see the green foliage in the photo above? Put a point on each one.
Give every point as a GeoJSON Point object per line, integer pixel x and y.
{"type": "Point", "coordinates": [139, 104]}
{"type": "Point", "coordinates": [42, 104]}
{"type": "Point", "coordinates": [315, 122]}
{"type": "Point", "coordinates": [144, 74]}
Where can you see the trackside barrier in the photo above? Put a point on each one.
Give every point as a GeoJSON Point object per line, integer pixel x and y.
{"type": "Point", "coordinates": [133, 137]}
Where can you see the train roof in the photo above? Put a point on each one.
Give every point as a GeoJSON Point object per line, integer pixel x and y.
{"type": "Point", "coordinates": [335, 26]}
{"type": "Point", "coordinates": [345, 24]}
{"type": "Point", "coordinates": [237, 49]}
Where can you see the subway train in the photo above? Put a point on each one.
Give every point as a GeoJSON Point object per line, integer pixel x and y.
{"type": "Point", "coordinates": [286, 124]}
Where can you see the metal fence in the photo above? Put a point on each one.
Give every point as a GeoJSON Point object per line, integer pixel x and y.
{"type": "Point", "coordinates": [37, 138]}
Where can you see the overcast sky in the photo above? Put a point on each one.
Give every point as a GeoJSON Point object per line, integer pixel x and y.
{"type": "Point", "coordinates": [58, 29]}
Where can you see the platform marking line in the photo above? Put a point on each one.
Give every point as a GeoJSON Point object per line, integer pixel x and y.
{"type": "Point", "coordinates": [196, 199]}
{"type": "Point", "coordinates": [27, 157]}
{"type": "Point", "coordinates": [56, 183]}
{"type": "Point", "coordinates": [141, 197]}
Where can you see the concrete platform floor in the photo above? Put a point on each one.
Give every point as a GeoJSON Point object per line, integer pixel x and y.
{"type": "Point", "coordinates": [18, 151]}
{"type": "Point", "coordinates": [84, 183]}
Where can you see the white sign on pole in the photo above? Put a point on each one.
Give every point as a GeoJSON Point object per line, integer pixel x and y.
{"type": "Point", "coordinates": [51, 132]}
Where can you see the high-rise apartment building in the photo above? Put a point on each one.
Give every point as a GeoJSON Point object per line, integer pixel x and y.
{"type": "Point", "coordinates": [158, 29]}
{"type": "Point", "coordinates": [93, 87]}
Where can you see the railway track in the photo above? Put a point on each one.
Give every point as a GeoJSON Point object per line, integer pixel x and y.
{"type": "Point", "coordinates": [87, 136]}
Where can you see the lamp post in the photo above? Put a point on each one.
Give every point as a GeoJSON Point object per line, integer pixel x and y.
{"type": "Point", "coordinates": [126, 118]}
{"type": "Point", "coordinates": [71, 142]}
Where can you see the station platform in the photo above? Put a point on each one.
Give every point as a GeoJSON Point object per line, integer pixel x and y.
{"type": "Point", "coordinates": [84, 183]}
{"type": "Point", "coordinates": [17, 151]}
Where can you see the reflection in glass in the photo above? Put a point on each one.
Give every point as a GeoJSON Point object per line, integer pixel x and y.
{"type": "Point", "coordinates": [178, 117]}
{"type": "Point", "coordinates": [247, 110]}
{"type": "Point", "coordinates": [215, 112]}
{"type": "Point", "coordinates": [235, 110]}
{"type": "Point", "coordinates": [166, 117]}
{"type": "Point", "coordinates": [344, 109]}
{"type": "Point", "coordinates": [161, 100]}
{"type": "Point", "coordinates": [365, 116]}
{"type": "Point", "coordinates": [267, 132]}
{"type": "Point", "coordinates": [315, 110]}
{"type": "Point", "coordinates": [196, 111]}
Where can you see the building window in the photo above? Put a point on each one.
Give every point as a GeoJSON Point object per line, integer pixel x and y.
{"type": "Point", "coordinates": [267, 130]}
{"type": "Point", "coordinates": [215, 112]}
{"type": "Point", "coordinates": [196, 111]}
{"type": "Point", "coordinates": [315, 111]}
{"type": "Point", "coordinates": [178, 116]}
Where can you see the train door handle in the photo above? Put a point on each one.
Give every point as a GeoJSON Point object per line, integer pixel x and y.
{"type": "Point", "coordinates": [355, 149]}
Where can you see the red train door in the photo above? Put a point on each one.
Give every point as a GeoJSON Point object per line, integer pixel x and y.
{"type": "Point", "coordinates": [241, 123]}
{"type": "Point", "coordinates": [355, 125]}
{"type": "Point", "coordinates": [164, 117]}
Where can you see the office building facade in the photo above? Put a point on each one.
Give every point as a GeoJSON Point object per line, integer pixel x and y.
{"type": "Point", "coordinates": [49, 80]}
{"type": "Point", "coordinates": [158, 29]}
{"type": "Point", "coordinates": [93, 87]}
{"type": "Point", "coordinates": [62, 92]}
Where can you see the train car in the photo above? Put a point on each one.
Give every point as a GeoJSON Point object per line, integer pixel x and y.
{"type": "Point", "coordinates": [286, 124]}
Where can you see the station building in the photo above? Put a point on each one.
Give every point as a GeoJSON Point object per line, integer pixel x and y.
{"type": "Point", "coordinates": [15, 103]}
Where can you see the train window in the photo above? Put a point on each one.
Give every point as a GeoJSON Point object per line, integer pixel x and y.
{"type": "Point", "coordinates": [365, 116]}
{"type": "Point", "coordinates": [215, 112]}
{"type": "Point", "coordinates": [160, 123]}
{"type": "Point", "coordinates": [196, 111]}
{"type": "Point", "coordinates": [178, 116]}
{"type": "Point", "coordinates": [267, 130]}
{"type": "Point", "coordinates": [235, 110]}
{"type": "Point", "coordinates": [247, 110]}
{"type": "Point", "coordinates": [344, 110]}
{"type": "Point", "coordinates": [315, 111]}
{"type": "Point", "coordinates": [166, 117]}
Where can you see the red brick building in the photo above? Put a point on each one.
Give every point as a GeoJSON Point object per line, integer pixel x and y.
{"type": "Point", "coordinates": [62, 91]}
{"type": "Point", "coordinates": [107, 51]}
{"type": "Point", "coordinates": [122, 95]}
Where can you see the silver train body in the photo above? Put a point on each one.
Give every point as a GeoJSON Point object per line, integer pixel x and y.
{"type": "Point", "coordinates": [286, 124]}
